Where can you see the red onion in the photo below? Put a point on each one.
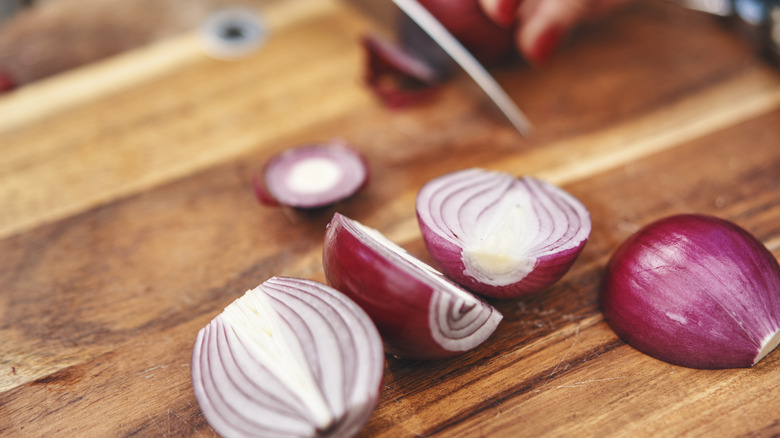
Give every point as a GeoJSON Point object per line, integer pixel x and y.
{"type": "Point", "coordinates": [695, 291]}
{"type": "Point", "coordinates": [312, 176]}
{"type": "Point", "coordinates": [467, 22]}
{"type": "Point", "coordinates": [419, 313]}
{"type": "Point", "coordinates": [291, 357]}
{"type": "Point", "coordinates": [500, 236]}
{"type": "Point", "coordinates": [396, 76]}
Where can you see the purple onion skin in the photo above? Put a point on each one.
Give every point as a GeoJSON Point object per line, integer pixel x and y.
{"type": "Point", "coordinates": [695, 291]}
{"type": "Point", "coordinates": [398, 303]}
{"type": "Point", "coordinates": [549, 269]}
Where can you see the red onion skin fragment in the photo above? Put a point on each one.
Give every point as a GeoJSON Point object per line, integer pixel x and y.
{"type": "Point", "coordinates": [695, 291]}
{"type": "Point", "coordinates": [452, 211]}
{"type": "Point", "coordinates": [419, 313]}
{"type": "Point", "coordinates": [290, 358]}
{"type": "Point", "coordinates": [312, 176]}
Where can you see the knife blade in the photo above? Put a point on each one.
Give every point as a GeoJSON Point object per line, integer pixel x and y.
{"type": "Point", "coordinates": [438, 33]}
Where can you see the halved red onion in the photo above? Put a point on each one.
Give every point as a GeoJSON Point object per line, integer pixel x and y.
{"type": "Point", "coordinates": [695, 291]}
{"type": "Point", "coordinates": [500, 236]}
{"type": "Point", "coordinates": [395, 75]}
{"type": "Point", "coordinates": [312, 176]}
{"type": "Point", "coordinates": [291, 357]}
{"type": "Point", "coordinates": [419, 313]}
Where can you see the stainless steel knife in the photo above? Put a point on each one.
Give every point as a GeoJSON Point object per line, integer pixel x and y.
{"type": "Point", "coordinates": [426, 21]}
{"type": "Point", "coordinates": [384, 12]}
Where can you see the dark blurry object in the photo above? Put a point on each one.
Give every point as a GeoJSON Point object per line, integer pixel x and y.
{"type": "Point", "coordinates": [232, 33]}
{"type": "Point", "coordinates": [758, 20]}
{"type": "Point", "coordinates": [9, 8]}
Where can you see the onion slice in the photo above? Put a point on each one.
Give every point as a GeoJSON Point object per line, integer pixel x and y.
{"type": "Point", "coordinates": [312, 176]}
{"type": "Point", "coordinates": [291, 357]}
{"type": "Point", "coordinates": [500, 236]}
{"type": "Point", "coordinates": [695, 291]}
{"type": "Point", "coordinates": [419, 313]}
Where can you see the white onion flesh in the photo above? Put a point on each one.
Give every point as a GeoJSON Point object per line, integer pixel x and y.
{"type": "Point", "coordinates": [500, 236]}
{"type": "Point", "coordinates": [291, 357]}
{"type": "Point", "coordinates": [419, 313]}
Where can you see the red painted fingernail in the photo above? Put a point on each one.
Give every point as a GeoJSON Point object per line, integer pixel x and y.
{"type": "Point", "coordinates": [545, 45]}
{"type": "Point", "coordinates": [6, 82]}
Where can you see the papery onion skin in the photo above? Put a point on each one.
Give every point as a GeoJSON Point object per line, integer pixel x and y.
{"type": "Point", "coordinates": [696, 291]}
{"type": "Point", "coordinates": [558, 229]}
{"type": "Point", "coordinates": [291, 357]}
{"type": "Point", "coordinates": [465, 19]}
{"type": "Point", "coordinates": [419, 313]}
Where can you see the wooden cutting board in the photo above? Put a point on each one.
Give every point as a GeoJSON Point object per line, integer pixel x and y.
{"type": "Point", "coordinates": [128, 220]}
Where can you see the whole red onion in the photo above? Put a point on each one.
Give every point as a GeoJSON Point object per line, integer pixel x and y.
{"type": "Point", "coordinates": [696, 291]}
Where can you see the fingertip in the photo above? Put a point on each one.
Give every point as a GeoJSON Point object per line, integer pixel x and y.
{"type": "Point", "coordinates": [540, 49]}
{"type": "Point", "coordinates": [501, 12]}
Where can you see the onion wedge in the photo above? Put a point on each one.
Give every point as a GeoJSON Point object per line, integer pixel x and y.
{"type": "Point", "coordinates": [419, 313]}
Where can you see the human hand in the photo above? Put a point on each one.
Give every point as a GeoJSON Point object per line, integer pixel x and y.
{"type": "Point", "coordinates": [542, 24]}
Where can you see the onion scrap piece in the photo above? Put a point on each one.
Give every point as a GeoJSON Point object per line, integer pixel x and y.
{"type": "Point", "coordinates": [500, 236]}
{"type": "Point", "coordinates": [696, 291]}
{"type": "Point", "coordinates": [312, 176]}
{"type": "Point", "coordinates": [419, 313]}
{"type": "Point", "coordinates": [396, 76]}
{"type": "Point", "coordinates": [291, 357]}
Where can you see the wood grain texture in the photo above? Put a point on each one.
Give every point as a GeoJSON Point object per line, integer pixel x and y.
{"type": "Point", "coordinates": [128, 222]}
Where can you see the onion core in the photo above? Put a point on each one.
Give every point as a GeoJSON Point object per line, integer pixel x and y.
{"type": "Point", "coordinates": [695, 291]}
{"type": "Point", "coordinates": [419, 313]}
{"type": "Point", "coordinates": [291, 357]}
{"type": "Point", "coordinates": [500, 236]}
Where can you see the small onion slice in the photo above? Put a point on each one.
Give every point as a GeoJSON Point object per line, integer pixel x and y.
{"type": "Point", "coordinates": [291, 357]}
{"type": "Point", "coordinates": [500, 236]}
{"type": "Point", "coordinates": [695, 291]}
{"type": "Point", "coordinates": [312, 176]}
{"type": "Point", "coordinates": [419, 313]}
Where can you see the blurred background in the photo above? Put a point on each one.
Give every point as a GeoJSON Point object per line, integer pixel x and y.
{"type": "Point", "coordinates": [39, 38]}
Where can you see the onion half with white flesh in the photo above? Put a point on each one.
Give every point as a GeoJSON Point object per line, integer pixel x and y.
{"type": "Point", "coordinates": [312, 176]}
{"type": "Point", "coordinates": [419, 313]}
{"type": "Point", "coordinates": [291, 357]}
{"type": "Point", "coordinates": [500, 236]}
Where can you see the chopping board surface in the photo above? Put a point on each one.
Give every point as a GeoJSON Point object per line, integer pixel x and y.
{"type": "Point", "coordinates": [129, 221]}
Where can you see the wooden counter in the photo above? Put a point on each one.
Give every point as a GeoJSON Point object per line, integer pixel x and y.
{"type": "Point", "coordinates": [128, 220]}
